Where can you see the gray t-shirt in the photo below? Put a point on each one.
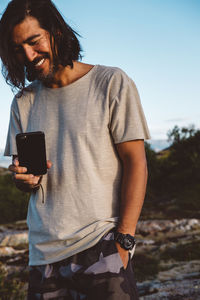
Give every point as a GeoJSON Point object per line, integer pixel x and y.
{"type": "Point", "coordinates": [82, 122]}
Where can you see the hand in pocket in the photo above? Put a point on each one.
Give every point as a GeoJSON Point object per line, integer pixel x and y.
{"type": "Point", "coordinates": [124, 254]}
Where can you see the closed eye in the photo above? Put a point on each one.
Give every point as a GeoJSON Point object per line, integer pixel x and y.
{"type": "Point", "coordinates": [19, 49]}
{"type": "Point", "coordinates": [32, 43]}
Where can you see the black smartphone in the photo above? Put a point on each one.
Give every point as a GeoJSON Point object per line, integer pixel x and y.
{"type": "Point", "coordinates": [31, 151]}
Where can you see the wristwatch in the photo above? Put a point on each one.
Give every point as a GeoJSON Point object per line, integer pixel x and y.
{"type": "Point", "coordinates": [126, 241]}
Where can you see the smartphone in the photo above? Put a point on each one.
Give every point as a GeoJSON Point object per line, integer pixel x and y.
{"type": "Point", "coordinates": [31, 151]}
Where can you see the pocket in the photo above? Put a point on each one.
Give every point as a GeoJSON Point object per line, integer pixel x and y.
{"type": "Point", "coordinates": [111, 246]}
{"type": "Point", "coordinates": [108, 258]}
{"type": "Point", "coordinates": [119, 256]}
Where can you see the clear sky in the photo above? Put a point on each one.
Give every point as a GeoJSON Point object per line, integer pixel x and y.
{"type": "Point", "coordinates": [156, 42]}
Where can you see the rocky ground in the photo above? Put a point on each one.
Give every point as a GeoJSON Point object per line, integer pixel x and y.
{"type": "Point", "coordinates": [174, 254]}
{"type": "Point", "coordinates": [166, 260]}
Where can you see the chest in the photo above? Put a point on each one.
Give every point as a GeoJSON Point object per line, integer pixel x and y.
{"type": "Point", "coordinates": [80, 115]}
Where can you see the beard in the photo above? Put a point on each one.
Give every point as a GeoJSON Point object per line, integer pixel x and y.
{"type": "Point", "coordinates": [32, 73]}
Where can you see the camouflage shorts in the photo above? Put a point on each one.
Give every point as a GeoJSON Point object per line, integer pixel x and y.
{"type": "Point", "coordinates": [94, 274]}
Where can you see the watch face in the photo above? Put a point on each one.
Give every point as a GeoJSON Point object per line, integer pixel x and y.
{"type": "Point", "coordinates": [125, 240]}
{"type": "Point", "coordinates": [128, 243]}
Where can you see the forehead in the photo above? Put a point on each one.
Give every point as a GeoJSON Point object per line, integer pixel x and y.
{"type": "Point", "coordinates": [27, 28]}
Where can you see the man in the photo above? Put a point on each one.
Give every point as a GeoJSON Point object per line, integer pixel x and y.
{"type": "Point", "coordinates": [80, 237]}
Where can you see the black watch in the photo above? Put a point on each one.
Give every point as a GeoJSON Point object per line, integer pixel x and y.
{"type": "Point", "coordinates": [126, 241]}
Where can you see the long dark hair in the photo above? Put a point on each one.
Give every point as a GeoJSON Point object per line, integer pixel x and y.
{"type": "Point", "coordinates": [65, 40]}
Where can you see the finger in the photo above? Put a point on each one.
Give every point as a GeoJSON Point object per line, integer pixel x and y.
{"type": "Point", "coordinates": [49, 164]}
{"type": "Point", "coordinates": [18, 170]}
{"type": "Point", "coordinates": [27, 179]}
{"type": "Point", "coordinates": [24, 177]}
{"type": "Point", "coordinates": [12, 168]}
{"type": "Point", "coordinates": [21, 170]}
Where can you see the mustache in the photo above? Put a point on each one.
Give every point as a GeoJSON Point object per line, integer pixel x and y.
{"type": "Point", "coordinates": [30, 65]}
{"type": "Point", "coordinates": [30, 71]}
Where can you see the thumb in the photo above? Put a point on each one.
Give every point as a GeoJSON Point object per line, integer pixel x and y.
{"type": "Point", "coordinates": [49, 164]}
{"type": "Point", "coordinates": [16, 162]}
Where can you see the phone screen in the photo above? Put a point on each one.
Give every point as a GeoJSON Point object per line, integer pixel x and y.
{"type": "Point", "coordinates": [32, 152]}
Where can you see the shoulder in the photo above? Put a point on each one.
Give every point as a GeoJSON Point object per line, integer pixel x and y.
{"type": "Point", "coordinates": [25, 97]}
{"type": "Point", "coordinates": [111, 79]}
{"type": "Point", "coordinates": [115, 81]}
{"type": "Point", "coordinates": [28, 90]}
{"type": "Point", "coordinates": [112, 73]}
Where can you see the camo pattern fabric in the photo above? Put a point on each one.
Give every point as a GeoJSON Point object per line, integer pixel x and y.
{"type": "Point", "coordinates": [94, 274]}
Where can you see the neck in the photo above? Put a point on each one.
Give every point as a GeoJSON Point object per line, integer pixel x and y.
{"type": "Point", "coordinates": [67, 75]}
{"type": "Point", "coordinates": [61, 78]}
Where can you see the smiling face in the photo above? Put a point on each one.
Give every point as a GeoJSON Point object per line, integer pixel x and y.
{"type": "Point", "coordinates": [32, 48]}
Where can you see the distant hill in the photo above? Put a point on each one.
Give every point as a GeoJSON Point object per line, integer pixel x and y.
{"type": "Point", "coordinates": [158, 145]}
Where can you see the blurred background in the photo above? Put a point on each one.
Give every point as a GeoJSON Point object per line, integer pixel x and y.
{"type": "Point", "coordinates": [156, 42]}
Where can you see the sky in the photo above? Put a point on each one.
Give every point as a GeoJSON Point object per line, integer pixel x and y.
{"type": "Point", "coordinates": [156, 42]}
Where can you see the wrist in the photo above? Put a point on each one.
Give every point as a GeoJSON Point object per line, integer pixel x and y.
{"type": "Point", "coordinates": [126, 229]}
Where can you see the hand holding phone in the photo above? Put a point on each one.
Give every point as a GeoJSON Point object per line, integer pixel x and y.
{"type": "Point", "coordinates": [25, 182]}
{"type": "Point", "coordinates": [32, 152]}
{"type": "Point", "coordinates": [30, 164]}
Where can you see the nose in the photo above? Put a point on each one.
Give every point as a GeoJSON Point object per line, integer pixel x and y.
{"type": "Point", "coordinates": [29, 53]}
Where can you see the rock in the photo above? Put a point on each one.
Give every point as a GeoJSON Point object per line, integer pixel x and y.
{"type": "Point", "coordinates": [154, 226]}
{"type": "Point", "coordinates": [173, 290]}
{"type": "Point", "coordinates": [180, 271]}
{"type": "Point", "coordinates": [175, 279]}
{"type": "Point", "coordinates": [15, 239]}
{"type": "Point", "coordinates": [148, 287]}
{"type": "Point", "coordinates": [9, 251]}
{"type": "Point", "coordinates": [18, 225]}
{"type": "Point", "coordinates": [2, 228]}
{"type": "Point", "coordinates": [141, 242]}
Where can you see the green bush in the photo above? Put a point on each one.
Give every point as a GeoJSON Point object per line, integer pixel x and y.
{"type": "Point", "coordinates": [173, 189]}
{"type": "Point", "coordinates": [13, 203]}
{"type": "Point", "coordinates": [11, 287]}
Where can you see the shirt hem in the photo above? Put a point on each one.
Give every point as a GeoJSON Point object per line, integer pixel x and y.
{"type": "Point", "coordinates": [60, 258]}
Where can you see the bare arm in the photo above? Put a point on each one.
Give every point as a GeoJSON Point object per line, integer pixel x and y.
{"type": "Point", "coordinates": [132, 155]}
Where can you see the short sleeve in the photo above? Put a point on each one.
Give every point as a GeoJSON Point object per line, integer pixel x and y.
{"type": "Point", "coordinates": [127, 119]}
{"type": "Point", "coordinates": [14, 128]}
